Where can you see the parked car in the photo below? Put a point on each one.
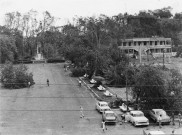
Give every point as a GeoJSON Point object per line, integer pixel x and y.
{"type": "Point", "coordinates": [102, 106]}
{"type": "Point", "coordinates": [153, 132]}
{"type": "Point", "coordinates": [123, 108]}
{"type": "Point", "coordinates": [155, 113]}
{"type": "Point", "coordinates": [109, 117]}
{"type": "Point", "coordinates": [137, 118]}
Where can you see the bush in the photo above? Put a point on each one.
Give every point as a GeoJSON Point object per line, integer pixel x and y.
{"type": "Point", "coordinates": [77, 72]}
{"type": "Point", "coordinates": [116, 103]}
{"type": "Point", "coordinates": [16, 77]}
{"type": "Point", "coordinates": [22, 61]}
{"type": "Point", "coordinates": [55, 60]}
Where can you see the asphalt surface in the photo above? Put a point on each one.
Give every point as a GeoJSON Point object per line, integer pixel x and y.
{"type": "Point", "coordinates": [47, 110]}
{"type": "Point", "coordinates": [55, 109]}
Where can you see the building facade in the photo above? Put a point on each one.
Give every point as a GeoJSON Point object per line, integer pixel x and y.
{"type": "Point", "coordinates": [155, 46]}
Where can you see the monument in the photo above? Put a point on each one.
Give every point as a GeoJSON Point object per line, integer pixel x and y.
{"type": "Point", "coordinates": [39, 56]}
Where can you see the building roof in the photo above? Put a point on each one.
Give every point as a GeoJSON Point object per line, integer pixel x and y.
{"type": "Point", "coordinates": [147, 39]}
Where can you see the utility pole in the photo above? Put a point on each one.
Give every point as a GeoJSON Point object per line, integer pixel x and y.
{"type": "Point", "coordinates": [126, 75]}
{"type": "Point", "coordinates": [163, 59]}
{"type": "Point", "coordinates": [140, 53]}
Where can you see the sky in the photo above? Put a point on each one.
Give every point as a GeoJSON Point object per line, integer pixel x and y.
{"type": "Point", "coordinates": [67, 9]}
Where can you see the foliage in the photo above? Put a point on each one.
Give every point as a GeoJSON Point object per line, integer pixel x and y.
{"type": "Point", "coordinates": [173, 89]}
{"type": "Point", "coordinates": [77, 72]}
{"type": "Point", "coordinates": [179, 51]}
{"type": "Point", "coordinates": [157, 88]}
{"type": "Point", "coordinates": [149, 87]}
{"type": "Point", "coordinates": [16, 77]}
{"type": "Point", "coordinates": [55, 60]}
{"type": "Point", "coordinates": [8, 48]}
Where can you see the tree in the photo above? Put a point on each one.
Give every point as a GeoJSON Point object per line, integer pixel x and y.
{"type": "Point", "coordinates": [157, 88]}
{"type": "Point", "coordinates": [163, 13]}
{"type": "Point", "coordinates": [15, 77]}
{"type": "Point", "coordinates": [173, 90]}
{"type": "Point", "coordinates": [149, 87]}
{"type": "Point", "coordinates": [8, 49]}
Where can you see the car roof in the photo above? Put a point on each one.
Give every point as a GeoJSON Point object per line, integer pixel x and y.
{"type": "Point", "coordinates": [109, 111]}
{"type": "Point", "coordinates": [136, 112]}
{"type": "Point", "coordinates": [102, 102]}
{"type": "Point", "coordinates": [156, 132]}
{"type": "Point", "coordinates": [157, 109]}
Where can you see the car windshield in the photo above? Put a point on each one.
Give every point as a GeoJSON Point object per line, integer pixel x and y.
{"type": "Point", "coordinates": [138, 115]}
{"type": "Point", "coordinates": [107, 109]}
{"type": "Point", "coordinates": [110, 114]}
{"type": "Point", "coordinates": [103, 105]}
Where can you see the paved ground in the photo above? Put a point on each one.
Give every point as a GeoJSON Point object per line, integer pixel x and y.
{"type": "Point", "coordinates": [54, 110]}
{"type": "Point", "coordinates": [42, 109]}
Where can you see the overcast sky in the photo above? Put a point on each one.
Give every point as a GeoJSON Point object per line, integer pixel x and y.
{"type": "Point", "coordinates": [67, 9]}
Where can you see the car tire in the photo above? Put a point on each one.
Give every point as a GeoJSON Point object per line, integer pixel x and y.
{"type": "Point", "coordinates": [135, 124]}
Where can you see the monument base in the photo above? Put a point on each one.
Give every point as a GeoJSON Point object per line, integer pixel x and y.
{"type": "Point", "coordinates": [39, 59]}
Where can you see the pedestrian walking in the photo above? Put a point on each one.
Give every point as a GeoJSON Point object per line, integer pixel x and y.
{"type": "Point", "coordinates": [80, 83]}
{"type": "Point", "coordinates": [179, 119]}
{"type": "Point", "coordinates": [47, 82]}
{"type": "Point", "coordinates": [81, 112]}
{"type": "Point", "coordinates": [29, 84]}
{"type": "Point", "coordinates": [103, 126]}
{"type": "Point", "coordinates": [160, 119]}
{"type": "Point", "coordinates": [64, 67]}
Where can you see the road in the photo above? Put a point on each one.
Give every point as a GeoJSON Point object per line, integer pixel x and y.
{"type": "Point", "coordinates": [43, 110]}
{"type": "Point", "coordinates": [54, 110]}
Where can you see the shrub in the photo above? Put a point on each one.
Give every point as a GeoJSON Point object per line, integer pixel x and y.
{"type": "Point", "coordinates": [16, 77]}
{"type": "Point", "coordinates": [76, 72]}
{"type": "Point", "coordinates": [22, 61]}
{"type": "Point", "coordinates": [55, 60]}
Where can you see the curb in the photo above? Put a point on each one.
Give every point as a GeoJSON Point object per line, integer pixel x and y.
{"type": "Point", "coordinates": [95, 94]}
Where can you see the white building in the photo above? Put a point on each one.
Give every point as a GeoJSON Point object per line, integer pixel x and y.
{"type": "Point", "coordinates": [155, 46]}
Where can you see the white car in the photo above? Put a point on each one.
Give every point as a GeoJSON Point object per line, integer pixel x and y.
{"type": "Point", "coordinates": [155, 132]}
{"type": "Point", "coordinates": [137, 118]}
{"type": "Point", "coordinates": [102, 106]}
{"type": "Point", "coordinates": [123, 108]}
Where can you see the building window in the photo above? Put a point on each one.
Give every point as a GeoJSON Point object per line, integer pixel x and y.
{"type": "Point", "coordinates": [151, 50]}
{"type": "Point", "coordinates": [130, 51]}
{"type": "Point", "coordinates": [145, 43]}
{"type": "Point", "coordinates": [129, 43]}
{"type": "Point", "coordinates": [124, 43]}
{"type": "Point", "coordinates": [150, 42]}
{"type": "Point", "coordinates": [161, 42]}
{"type": "Point", "coordinates": [134, 43]}
{"type": "Point", "coordinates": [168, 50]}
{"type": "Point", "coordinates": [157, 50]}
{"type": "Point", "coordinates": [155, 42]}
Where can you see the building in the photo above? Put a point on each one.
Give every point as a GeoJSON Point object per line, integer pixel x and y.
{"type": "Point", "coordinates": [154, 46]}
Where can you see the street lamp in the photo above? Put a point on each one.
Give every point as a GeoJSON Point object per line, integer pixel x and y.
{"type": "Point", "coordinates": [126, 75]}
